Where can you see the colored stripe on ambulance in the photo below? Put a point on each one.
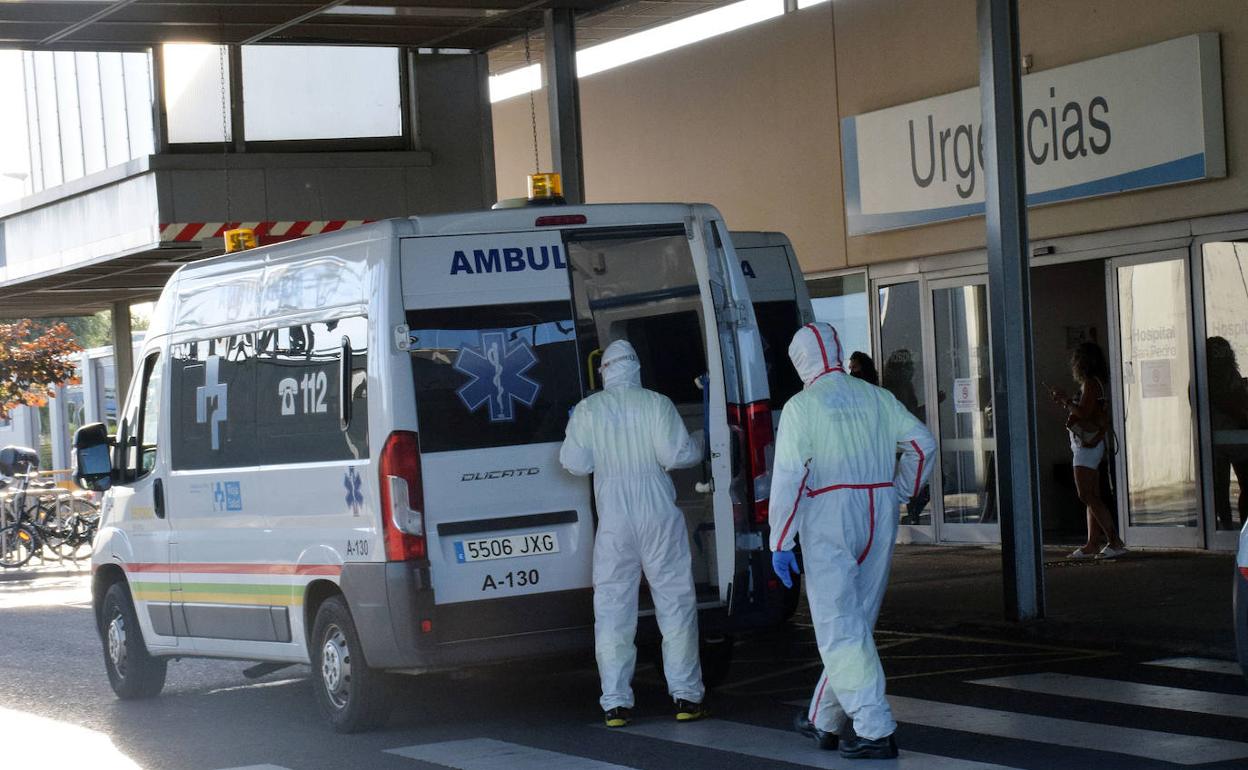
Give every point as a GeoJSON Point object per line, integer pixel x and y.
{"type": "Point", "coordinates": [219, 593]}
{"type": "Point", "coordinates": [206, 568]}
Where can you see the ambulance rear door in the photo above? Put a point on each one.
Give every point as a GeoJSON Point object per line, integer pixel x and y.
{"type": "Point", "coordinates": [494, 359]}
{"type": "Point", "coordinates": [781, 305]}
{"type": "Point", "coordinates": [650, 284]}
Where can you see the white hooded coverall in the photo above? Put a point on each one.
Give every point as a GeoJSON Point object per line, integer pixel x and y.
{"type": "Point", "coordinates": [629, 438]}
{"type": "Point", "coordinates": [837, 482]}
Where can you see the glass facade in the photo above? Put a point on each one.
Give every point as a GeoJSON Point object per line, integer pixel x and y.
{"type": "Point", "coordinates": [277, 80]}
{"type": "Point", "coordinates": [902, 372]}
{"type": "Point", "coordinates": [84, 111]}
{"type": "Point", "coordinates": [1225, 267]}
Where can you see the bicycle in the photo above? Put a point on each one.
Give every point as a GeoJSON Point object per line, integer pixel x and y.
{"type": "Point", "coordinates": [40, 519]}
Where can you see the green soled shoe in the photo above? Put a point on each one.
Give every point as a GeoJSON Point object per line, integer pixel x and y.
{"type": "Point", "coordinates": [688, 711]}
{"type": "Point", "coordinates": [618, 717]}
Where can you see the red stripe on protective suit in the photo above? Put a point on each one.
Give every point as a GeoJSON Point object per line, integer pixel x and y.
{"type": "Point", "coordinates": [796, 502]}
{"type": "Point", "coordinates": [835, 487]}
{"type": "Point", "coordinates": [870, 532]}
{"type": "Point", "coordinates": [814, 709]}
{"type": "Point", "coordinates": [823, 351]}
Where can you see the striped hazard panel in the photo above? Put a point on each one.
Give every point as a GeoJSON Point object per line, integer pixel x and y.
{"type": "Point", "coordinates": [266, 232]}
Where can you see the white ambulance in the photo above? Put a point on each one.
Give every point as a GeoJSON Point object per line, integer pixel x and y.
{"type": "Point", "coordinates": [343, 451]}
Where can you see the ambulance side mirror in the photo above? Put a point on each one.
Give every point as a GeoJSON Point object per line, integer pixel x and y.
{"type": "Point", "coordinates": [93, 467]}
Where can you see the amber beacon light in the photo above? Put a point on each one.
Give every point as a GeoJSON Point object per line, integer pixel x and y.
{"type": "Point", "coordinates": [239, 240]}
{"type": "Point", "coordinates": [545, 188]}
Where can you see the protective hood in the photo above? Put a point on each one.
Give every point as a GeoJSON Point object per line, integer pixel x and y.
{"type": "Point", "coordinates": [620, 366]}
{"type": "Point", "coordinates": [815, 351]}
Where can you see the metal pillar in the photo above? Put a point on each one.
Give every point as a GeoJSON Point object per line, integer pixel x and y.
{"type": "Point", "coordinates": [563, 100]}
{"type": "Point", "coordinates": [160, 114]}
{"type": "Point", "coordinates": [1009, 291]}
{"type": "Point", "coordinates": [237, 130]}
{"type": "Point", "coordinates": [123, 353]}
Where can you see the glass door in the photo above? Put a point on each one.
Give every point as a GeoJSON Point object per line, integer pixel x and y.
{"type": "Point", "coordinates": [902, 366]}
{"type": "Point", "coordinates": [1223, 288]}
{"type": "Point", "coordinates": [1153, 400]}
{"type": "Point", "coordinates": [967, 467]}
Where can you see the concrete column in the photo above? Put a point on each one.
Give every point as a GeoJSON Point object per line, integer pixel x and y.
{"type": "Point", "coordinates": [123, 353]}
{"type": "Point", "coordinates": [58, 424]}
{"type": "Point", "coordinates": [92, 409]}
{"type": "Point", "coordinates": [564, 102]}
{"type": "Point", "coordinates": [1009, 291]}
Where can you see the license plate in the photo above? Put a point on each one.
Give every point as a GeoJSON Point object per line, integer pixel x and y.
{"type": "Point", "coordinates": [509, 547]}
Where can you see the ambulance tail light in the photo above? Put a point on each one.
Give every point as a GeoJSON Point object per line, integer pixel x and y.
{"type": "Point", "coordinates": [561, 220]}
{"type": "Point", "coordinates": [402, 497]}
{"type": "Point", "coordinates": [754, 420]}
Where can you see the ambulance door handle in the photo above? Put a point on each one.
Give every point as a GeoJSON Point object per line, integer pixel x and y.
{"type": "Point", "coordinates": [158, 498]}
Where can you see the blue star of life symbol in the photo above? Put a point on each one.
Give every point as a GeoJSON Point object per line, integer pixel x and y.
{"type": "Point", "coordinates": [497, 376]}
{"type": "Point", "coordinates": [355, 496]}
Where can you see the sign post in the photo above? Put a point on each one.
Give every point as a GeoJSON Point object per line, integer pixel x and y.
{"type": "Point", "coordinates": [1009, 292]}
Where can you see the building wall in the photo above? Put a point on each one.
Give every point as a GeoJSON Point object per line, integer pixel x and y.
{"type": "Point", "coordinates": [745, 121]}
{"type": "Point", "coordinates": [876, 72]}
{"type": "Point", "coordinates": [749, 121]}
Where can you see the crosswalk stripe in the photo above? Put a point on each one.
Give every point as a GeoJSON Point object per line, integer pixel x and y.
{"type": "Point", "coordinates": [1127, 693]}
{"type": "Point", "coordinates": [783, 746]}
{"type": "Point", "coordinates": [1199, 664]}
{"type": "Point", "coordinates": [1167, 747]}
{"type": "Point", "coordinates": [489, 754]}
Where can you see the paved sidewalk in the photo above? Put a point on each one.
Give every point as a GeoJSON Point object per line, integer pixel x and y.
{"type": "Point", "coordinates": [1171, 600]}
{"type": "Point", "coordinates": [37, 569]}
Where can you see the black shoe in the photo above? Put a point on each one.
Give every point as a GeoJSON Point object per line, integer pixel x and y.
{"type": "Point", "coordinates": [806, 727]}
{"type": "Point", "coordinates": [618, 717]}
{"type": "Point", "coordinates": [858, 747]}
{"type": "Point", "coordinates": [688, 711]}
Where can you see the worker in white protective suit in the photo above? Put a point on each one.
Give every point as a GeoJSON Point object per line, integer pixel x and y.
{"type": "Point", "coordinates": [629, 438]}
{"type": "Point", "coordinates": [837, 485]}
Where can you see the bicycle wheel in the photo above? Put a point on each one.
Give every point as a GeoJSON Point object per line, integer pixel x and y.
{"type": "Point", "coordinates": [18, 543]}
{"type": "Point", "coordinates": [83, 522]}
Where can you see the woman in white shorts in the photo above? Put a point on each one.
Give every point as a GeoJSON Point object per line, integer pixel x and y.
{"type": "Point", "coordinates": [1088, 423]}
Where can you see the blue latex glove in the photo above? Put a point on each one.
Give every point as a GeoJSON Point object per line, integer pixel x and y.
{"type": "Point", "coordinates": [784, 563]}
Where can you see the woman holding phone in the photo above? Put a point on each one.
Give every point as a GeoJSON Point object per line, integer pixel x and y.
{"type": "Point", "coordinates": [1088, 422]}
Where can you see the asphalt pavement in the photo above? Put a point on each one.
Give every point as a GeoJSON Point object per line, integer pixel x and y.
{"type": "Point", "coordinates": [970, 692]}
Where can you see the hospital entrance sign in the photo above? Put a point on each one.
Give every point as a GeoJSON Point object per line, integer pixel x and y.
{"type": "Point", "coordinates": [1143, 118]}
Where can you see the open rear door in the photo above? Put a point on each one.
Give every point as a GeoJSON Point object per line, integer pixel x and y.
{"type": "Point", "coordinates": [643, 284]}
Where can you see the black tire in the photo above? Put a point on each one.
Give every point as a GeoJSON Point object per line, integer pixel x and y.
{"type": "Point", "coordinates": [716, 654]}
{"type": "Point", "coordinates": [352, 696]}
{"type": "Point", "coordinates": [18, 543]}
{"type": "Point", "coordinates": [132, 671]}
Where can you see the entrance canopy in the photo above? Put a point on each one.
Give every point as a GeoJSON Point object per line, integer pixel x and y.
{"type": "Point", "coordinates": [131, 24]}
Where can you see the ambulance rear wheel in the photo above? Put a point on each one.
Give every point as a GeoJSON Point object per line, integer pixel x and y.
{"type": "Point", "coordinates": [132, 672]}
{"type": "Point", "coordinates": [352, 696]}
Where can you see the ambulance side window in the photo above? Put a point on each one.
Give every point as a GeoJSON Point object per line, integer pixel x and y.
{"type": "Point", "coordinates": [494, 375]}
{"type": "Point", "coordinates": [137, 444]}
{"type": "Point", "coordinates": [299, 391]}
{"type": "Point", "coordinates": [214, 406]}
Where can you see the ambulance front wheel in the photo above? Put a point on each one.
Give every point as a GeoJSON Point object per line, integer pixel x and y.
{"type": "Point", "coordinates": [353, 697]}
{"type": "Point", "coordinates": [132, 672]}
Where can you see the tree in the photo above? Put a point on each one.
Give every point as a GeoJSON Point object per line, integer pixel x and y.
{"type": "Point", "coordinates": [32, 364]}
